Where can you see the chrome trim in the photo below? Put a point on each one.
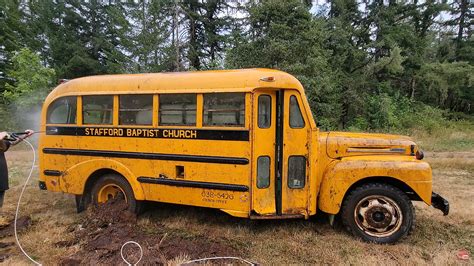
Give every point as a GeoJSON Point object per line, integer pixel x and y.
{"type": "Point", "coordinates": [377, 150]}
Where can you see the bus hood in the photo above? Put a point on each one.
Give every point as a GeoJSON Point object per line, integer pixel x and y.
{"type": "Point", "coordinates": [343, 144]}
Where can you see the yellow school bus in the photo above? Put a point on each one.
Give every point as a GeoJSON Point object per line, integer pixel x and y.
{"type": "Point", "coordinates": [242, 141]}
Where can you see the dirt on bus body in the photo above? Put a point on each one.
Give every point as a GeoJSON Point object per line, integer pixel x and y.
{"type": "Point", "coordinates": [107, 227]}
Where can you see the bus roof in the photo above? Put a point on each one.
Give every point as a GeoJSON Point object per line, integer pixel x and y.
{"type": "Point", "coordinates": [241, 80]}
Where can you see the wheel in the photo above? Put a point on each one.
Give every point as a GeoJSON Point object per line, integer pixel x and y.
{"type": "Point", "coordinates": [112, 186]}
{"type": "Point", "coordinates": [378, 213]}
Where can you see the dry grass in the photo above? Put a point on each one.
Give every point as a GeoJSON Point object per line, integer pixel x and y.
{"type": "Point", "coordinates": [452, 137]}
{"type": "Point", "coordinates": [436, 239]}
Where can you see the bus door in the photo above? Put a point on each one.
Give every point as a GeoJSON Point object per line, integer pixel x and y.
{"type": "Point", "coordinates": [279, 183]}
{"type": "Point", "coordinates": [264, 144]}
{"type": "Point", "coordinates": [295, 149]}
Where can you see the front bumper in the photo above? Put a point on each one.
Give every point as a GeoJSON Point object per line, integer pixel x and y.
{"type": "Point", "coordinates": [440, 203]}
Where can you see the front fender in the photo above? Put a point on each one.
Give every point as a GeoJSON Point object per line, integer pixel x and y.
{"type": "Point", "coordinates": [72, 182]}
{"type": "Point", "coordinates": [340, 175]}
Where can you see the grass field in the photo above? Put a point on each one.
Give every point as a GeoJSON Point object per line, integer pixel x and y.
{"type": "Point", "coordinates": [436, 239]}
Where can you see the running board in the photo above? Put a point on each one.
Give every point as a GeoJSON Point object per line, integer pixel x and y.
{"type": "Point", "coordinates": [272, 217]}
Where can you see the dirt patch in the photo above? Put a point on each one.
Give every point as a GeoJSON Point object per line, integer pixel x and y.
{"type": "Point", "coordinates": [107, 227]}
{"type": "Point", "coordinates": [8, 229]}
{"type": "Point", "coordinates": [5, 250]}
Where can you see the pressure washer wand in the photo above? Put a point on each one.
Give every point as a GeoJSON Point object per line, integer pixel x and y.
{"type": "Point", "coordinates": [13, 136]}
{"type": "Point", "coordinates": [24, 133]}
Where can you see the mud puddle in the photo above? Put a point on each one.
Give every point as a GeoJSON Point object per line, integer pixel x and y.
{"type": "Point", "coordinates": [107, 227]}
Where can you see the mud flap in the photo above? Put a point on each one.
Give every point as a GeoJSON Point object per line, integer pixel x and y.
{"type": "Point", "coordinates": [440, 203]}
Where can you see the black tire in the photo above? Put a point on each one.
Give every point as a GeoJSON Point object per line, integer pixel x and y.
{"type": "Point", "coordinates": [368, 212]}
{"type": "Point", "coordinates": [115, 180]}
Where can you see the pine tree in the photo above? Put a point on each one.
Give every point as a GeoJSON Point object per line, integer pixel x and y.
{"type": "Point", "coordinates": [282, 35]}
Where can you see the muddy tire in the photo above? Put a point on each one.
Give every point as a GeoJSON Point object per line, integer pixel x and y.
{"type": "Point", "coordinates": [112, 186]}
{"type": "Point", "coordinates": [378, 213]}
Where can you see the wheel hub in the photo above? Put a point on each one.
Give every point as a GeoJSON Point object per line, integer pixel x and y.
{"type": "Point", "coordinates": [110, 191]}
{"type": "Point", "coordinates": [378, 216]}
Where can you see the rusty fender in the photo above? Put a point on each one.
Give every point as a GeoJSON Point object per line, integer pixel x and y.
{"type": "Point", "coordinates": [340, 175]}
{"type": "Point", "coordinates": [74, 179]}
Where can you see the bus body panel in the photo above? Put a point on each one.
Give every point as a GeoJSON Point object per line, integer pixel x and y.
{"type": "Point", "coordinates": [219, 170]}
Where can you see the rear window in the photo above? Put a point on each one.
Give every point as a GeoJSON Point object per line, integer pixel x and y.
{"type": "Point", "coordinates": [97, 109]}
{"type": "Point", "coordinates": [136, 109]}
{"type": "Point", "coordinates": [224, 109]}
{"type": "Point", "coordinates": [62, 111]}
{"type": "Point", "coordinates": [177, 110]}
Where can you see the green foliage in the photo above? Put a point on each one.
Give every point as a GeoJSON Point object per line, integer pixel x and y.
{"type": "Point", "coordinates": [284, 36]}
{"type": "Point", "coordinates": [32, 80]}
{"type": "Point", "coordinates": [447, 85]}
{"type": "Point", "coordinates": [24, 96]}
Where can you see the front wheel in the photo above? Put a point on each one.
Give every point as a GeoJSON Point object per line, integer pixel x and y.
{"type": "Point", "coordinates": [115, 187]}
{"type": "Point", "coordinates": [378, 213]}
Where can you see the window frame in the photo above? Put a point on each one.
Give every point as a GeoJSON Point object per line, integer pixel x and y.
{"type": "Point", "coordinates": [305, 171]}
{"type": "Point", "coordinates": [113, 110]}
{"type": "Point", "coordinates": [244, 125]}
{"type": "Point", "coordinates": [269, 171]}
{"type": "Point", "coordinates": [152, 110]}
{"type": "Point", "coordinates": [76, 119]}
{"type": "Point", "coordinates": [269, 113]}
{"type": "Point", "coordinates": [300, 111]}
{"type": "Point", "coordinates": [158, 111]}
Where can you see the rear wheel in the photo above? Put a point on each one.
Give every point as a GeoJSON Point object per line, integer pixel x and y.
{"type": "Point", "coordinates": [378, 213]}
{"type": "Point", "coordinates": [115, 187]}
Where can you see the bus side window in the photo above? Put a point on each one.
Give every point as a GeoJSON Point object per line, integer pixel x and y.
{"type": "Point", "coordinates": [224, 109]}
{"type": "Point", "coordinates": [177, 110]}
{"type": "Point", "coordinates": [97, 109]}
{"type": "Point", "coordinates": [62, 111]}
{"type": "Point", "coordinates": [136, 109]}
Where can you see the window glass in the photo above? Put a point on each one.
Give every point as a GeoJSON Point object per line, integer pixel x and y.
{"type": "Point", "coordinates": [263, 172]}
{"type": "Point", "coordinates": [136, 109]}
{"type": "Point", "coordinates": [224, 109]}
{"type": "Point", "coordinates": [177, 109]}
{"type": "Point", "coordinates": [62, 111]}
{"type": "Point", "coordinates": [296, 118]}
{"type": "Point", "coordinates": [97, 109]}
{"type": "Point", "coordinates": [296, 171]}
{"type": "Point", "coordinates": [264, 111]}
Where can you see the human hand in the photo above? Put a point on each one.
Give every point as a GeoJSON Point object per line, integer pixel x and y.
{"type": "Point", "coordinates": [29, 132]}
{"type": "Point", "coordinates": [3, 135]}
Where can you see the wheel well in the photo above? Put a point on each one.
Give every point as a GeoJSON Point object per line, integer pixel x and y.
{"type": "Point", "coordinates": [95, 176]}
{"type": "Point", "coordinates": [386, 180]}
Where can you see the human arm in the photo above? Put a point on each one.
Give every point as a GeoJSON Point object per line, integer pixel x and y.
{"type": "Point", "coordinates": [20, 138]}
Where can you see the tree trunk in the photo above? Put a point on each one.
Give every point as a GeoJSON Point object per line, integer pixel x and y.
{"type": "Point", "coordinates": [463, 9]}
{"type": "Point", "coordinates": [412, 85]}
